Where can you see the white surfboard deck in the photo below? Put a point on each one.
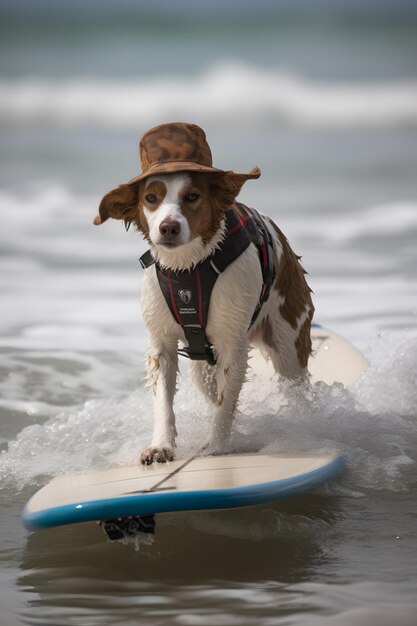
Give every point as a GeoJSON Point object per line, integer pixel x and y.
{"type": "Point", "coordinates": [334, 359]}
{"type": "Point", "coordinates": [205, 482]}
{"type": "Point", "coordinates": [201, 483]}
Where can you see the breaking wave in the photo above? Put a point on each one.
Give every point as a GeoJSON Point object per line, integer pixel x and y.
{"type": "Point", "coordinates": [229, 92]}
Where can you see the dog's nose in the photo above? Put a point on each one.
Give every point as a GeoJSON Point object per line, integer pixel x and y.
{"type": "Point", "coordinates": [170, 228]}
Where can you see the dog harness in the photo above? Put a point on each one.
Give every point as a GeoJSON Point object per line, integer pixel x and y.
{"type": "Point", "coordinates": [188, 292]}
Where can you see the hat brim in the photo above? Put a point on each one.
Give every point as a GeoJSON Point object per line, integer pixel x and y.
{"type": "Point", "coordinates": [187, 166]}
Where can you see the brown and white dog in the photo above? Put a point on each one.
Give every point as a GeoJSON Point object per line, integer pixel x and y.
{"type": "Point", "coordinates": [178, 204]}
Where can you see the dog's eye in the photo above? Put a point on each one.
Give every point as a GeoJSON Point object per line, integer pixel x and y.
{"type": "Point", "coordinates": [191, 197]}
{"type": "Point", "coordinates": [151, 197]}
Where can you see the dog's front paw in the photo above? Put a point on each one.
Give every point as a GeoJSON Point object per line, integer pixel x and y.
{"type": "Point", "coordinates": [155, 454]}
{"type": "Point", "coordinates": [215, 448]}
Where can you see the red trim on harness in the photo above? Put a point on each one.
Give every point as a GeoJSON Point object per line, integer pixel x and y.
{"type": "Point", "coordinates": [236, 209]}
{"type": "Point", "coordinates": [264, 254]}
{"type": "Point", "coordinates": [171, 293]}
{"type": "Point", "coordinates": [240, 225]}
{"type": "Point", "coordinates": [200, 297]}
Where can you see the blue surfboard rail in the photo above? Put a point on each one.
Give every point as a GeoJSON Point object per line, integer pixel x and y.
{"type": "Point", "coordinates": [165, 502]}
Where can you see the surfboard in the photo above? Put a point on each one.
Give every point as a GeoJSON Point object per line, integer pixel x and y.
{"type": "Point", "coordinates": [127, 498]}
{"type": "Point", "coordinates": [333, 359]}
{"type": "Point", "coordinates": [200, 483]}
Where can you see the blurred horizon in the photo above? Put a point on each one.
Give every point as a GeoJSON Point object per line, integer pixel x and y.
{"type": "Point", "coordinates": [237, 9]}
{"type": "Point", "coordinates": [341, 41]}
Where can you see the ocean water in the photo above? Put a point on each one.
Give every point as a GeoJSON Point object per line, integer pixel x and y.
{"type": "Point", "coordinates": [324, 100]}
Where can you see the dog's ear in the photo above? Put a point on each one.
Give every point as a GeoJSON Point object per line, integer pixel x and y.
{"type": "Point", "coordinates": [120, 204]}
{"type": "Point", "coordinates": [227, 185]}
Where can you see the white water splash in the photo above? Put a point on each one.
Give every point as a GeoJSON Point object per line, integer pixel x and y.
{"type": "Point", "coordinates": [373, 425]}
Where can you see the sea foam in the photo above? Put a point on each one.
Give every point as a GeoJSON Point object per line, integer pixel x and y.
{"type": "Point", "coordinates": [373, 424]}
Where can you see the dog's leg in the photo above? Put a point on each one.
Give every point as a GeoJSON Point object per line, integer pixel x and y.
{"type": "Point", "coordinates": [204, 376]}
{"type": "Point", "coordinates": [162, 366]}
{"type": "Point", "coordinates": [288, 348]}
{"type": "Point", "coordinates": [230, 376]}
{"type": "Point", "coordinates": [281, 349]}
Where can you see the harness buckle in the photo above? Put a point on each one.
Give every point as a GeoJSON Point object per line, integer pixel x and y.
{"type": "Point", "coordinates": [199, 347]}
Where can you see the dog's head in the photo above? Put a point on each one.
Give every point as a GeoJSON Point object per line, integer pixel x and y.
{"type": "Point", "coordinates": [180, 214]}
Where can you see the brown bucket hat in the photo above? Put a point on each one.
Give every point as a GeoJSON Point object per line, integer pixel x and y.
{"type": "Point", "coordinates": [177, 147]}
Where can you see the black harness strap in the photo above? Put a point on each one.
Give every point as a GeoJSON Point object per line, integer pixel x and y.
{"type": "Point", "coordinates": [188, 292]}
{"type": "Point", "coordinates": [189, 303]}
{"type": "Point", "coordinates": [266, 258]}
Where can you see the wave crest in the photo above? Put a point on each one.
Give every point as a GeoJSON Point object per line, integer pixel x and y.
{"type": "Point", "coordinates": [226, 92]}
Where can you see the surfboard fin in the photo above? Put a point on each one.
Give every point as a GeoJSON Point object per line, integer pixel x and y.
{"type": "Point", "coordinates": [128, 527]}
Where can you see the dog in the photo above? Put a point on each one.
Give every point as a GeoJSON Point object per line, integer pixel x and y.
{"type": "Point", "coordinates": [199, 234]}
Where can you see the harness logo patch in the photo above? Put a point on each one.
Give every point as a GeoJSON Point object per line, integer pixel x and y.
{"type": "Point", "coordinates": [185, 295]}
